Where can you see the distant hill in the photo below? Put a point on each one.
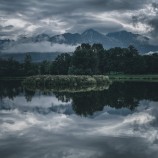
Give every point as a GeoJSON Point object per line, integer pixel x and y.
{"type": "Point", "coordinates": [114, 39]}
{"type": "Point", "coordinates": [36, 57]}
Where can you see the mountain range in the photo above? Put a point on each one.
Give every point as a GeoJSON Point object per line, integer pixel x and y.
{"type": "Point", "coordinates": [110, 40]}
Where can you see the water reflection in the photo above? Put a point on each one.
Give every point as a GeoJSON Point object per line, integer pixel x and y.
{"type": "Point", "coordinates": [121, 121]}
{"type": "Point", "coordinates": [119, 95]}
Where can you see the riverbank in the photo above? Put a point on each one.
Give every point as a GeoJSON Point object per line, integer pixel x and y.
{"type": "Point", "coordinates": [145, 78]}
{"type": "Point", "coordinates": [12, 78]}
{"type": "Point", "coordinates": [141, 78]}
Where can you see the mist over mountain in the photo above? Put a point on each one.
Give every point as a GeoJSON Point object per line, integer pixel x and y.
{"type": "Point", "coordinates": [68, 41]}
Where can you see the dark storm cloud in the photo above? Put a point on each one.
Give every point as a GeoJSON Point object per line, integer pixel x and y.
{"type": "Point", "coordinates": [81, 24]}
{"type": "Point", "coordinates": [150, 19]}
{"type": "Point", "coordinates": [62, 6]}
{"type": "Point", "coordinates": [73, 15]}
{"type": "Point", "coordinates": [153, 22]}
{"type": "Point", "coordinates": [41, 9]}
{"type": "Point", "coordinates": [119, 4]}
{"type": "Point", "coordinates": [5, 30]}
{"type": "Point", "coordinates": [155, 5]}
{"type": "Point", "coordinates": [154, 33]}
{"type": "Point", "coordinates": [49, 7]}
{"type": "Point", "coordinates": [9, 27]}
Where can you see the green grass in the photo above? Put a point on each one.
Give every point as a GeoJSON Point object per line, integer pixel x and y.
{"type": "Point", "coordinates": [115, 77]}
{"type": "Point", "coordinates": [12, 78]}
{"type": "Point", "coordinates": [65, 81]}
{"type": "Point", "coordinates": [143, 78]}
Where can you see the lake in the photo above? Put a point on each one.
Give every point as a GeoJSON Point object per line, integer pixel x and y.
{"type": "Point", "coordinates": [119, 121]}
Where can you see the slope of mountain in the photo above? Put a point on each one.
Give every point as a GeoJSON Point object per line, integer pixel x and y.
{"type": "Point", "coordinates": [66, 38]}
{"type": "Point", "coordinates": [41, 38]}
{"type": "Point", "coordinates": [115, 39]}
{"type": "Point", "coordinates": [127, 38]}
{"type": "Point", "coordinates": [92, 36]}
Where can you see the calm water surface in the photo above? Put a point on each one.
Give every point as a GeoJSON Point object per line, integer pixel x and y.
{"type": "Point", "coordinates": [121, 121]}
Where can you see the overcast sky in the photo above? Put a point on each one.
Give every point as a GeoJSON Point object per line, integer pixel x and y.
{"type": "Point", "coordinates": [58, 16]}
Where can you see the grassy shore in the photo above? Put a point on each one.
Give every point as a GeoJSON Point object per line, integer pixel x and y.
{"type": "Point", "coordinates": [141, 78]}
{"type": "Point", "coordinates": [152, 78]}
{"type": "Point", "coordinates": [12, 78]}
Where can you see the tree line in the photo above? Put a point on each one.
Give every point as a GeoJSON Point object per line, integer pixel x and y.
{"type": "Point", "coordinates": [86, 60]}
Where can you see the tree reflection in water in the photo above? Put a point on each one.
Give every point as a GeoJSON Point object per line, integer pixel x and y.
{"type": "Point", "coordinates": [119, 95]}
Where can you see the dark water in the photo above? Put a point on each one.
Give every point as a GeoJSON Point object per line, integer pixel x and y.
{"type": "Point", "coordinates": [121, 121]}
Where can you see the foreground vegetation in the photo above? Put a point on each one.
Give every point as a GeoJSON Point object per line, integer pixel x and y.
{"type": "Point", "coordinates": [75, 89]}
{"type": "Point", "coordinates": [85, 60]}
{"type": "Point", "coordinates": [145, 78]}
{"type": "Point", "coordinates": [66, 82]}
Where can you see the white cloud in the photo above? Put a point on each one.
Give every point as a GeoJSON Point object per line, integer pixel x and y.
{"type": "Point", "coordinates": [19, 23]}
{"type": "Point", "coordinates": [40, 47]}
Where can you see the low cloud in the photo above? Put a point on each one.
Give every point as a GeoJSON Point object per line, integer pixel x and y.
{"type": "Point", "coordinates": [40, 47]}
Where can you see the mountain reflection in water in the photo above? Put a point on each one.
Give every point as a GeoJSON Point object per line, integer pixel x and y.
{"type": "Point", "coordinates": [121, 121]}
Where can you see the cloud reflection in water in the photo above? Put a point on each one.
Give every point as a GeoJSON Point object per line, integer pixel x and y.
{"type": "Point", "coordinates": [46, 127]}
{"type": "Point", "coordinates": [29, 134]}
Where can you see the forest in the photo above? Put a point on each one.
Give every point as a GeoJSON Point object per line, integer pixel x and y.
{"type": "Point", "coordinates": [85, 60]}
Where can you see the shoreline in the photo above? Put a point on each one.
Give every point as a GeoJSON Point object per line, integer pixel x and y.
{"type": "Point", "coordinates": [147, 78]}
{"type": "Point", "coordinates": [141, 78]}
